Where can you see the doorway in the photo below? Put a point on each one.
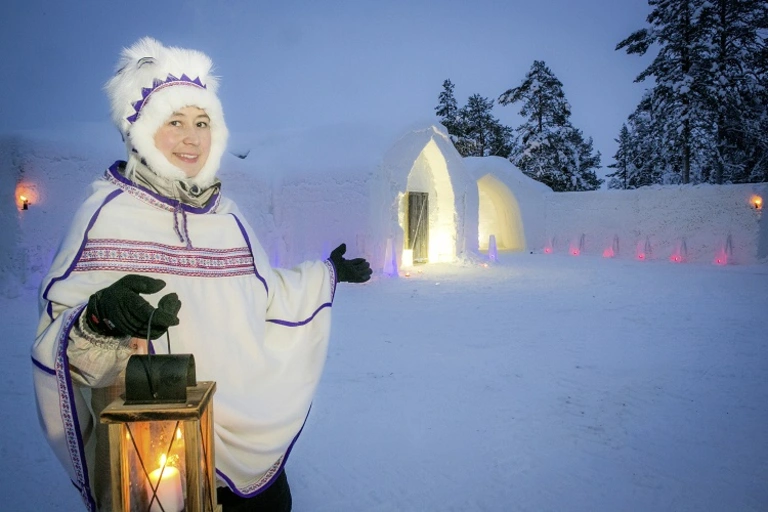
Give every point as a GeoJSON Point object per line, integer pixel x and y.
{"type": "Point", "coordinates": [418, 226]}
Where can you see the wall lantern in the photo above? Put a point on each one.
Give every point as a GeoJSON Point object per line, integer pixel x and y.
{"type": "Point", "coordinates": [756, 202]}
{"type": "Point", "coordinates": [24, 200]}
{"type": "Point", "coordinates": [161, 446]}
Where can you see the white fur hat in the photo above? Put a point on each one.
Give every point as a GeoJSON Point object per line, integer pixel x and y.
{"type": "Point", "coordinates": [151, 83]}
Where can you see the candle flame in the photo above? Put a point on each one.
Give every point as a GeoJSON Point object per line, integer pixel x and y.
{"type": "Point", "coordinates": [163, 460]}
{"type": "Point", "coordinates": [757, 202]}
{"type": "Point", "coordinates": [178, 433]}
{"type": "Point", "coordinates": [23, 198]}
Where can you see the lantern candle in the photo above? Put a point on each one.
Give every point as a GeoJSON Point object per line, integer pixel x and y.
{"type": "Point", "coordinates": [168, 490]}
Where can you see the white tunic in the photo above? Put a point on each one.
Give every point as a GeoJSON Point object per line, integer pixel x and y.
{"type": "Point", "coordinates": [260, 333]}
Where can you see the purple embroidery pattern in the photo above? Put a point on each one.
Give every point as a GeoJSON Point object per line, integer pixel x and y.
{"type": "Point", "coordinates": [146, 92]}
{"type": "Point", "coordinates": [147, 257]}
{"type": "Point", "coordinates": [266, 478]}
{"type": "Point", "coordinates": [66, 402]}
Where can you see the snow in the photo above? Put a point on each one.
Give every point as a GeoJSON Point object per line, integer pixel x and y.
{"type": "Point", "coordinates": [541, 383]}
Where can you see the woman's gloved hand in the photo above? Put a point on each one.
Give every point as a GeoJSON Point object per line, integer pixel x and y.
{"type": "Point", "coordinates": [119, 310]}
{"type": "Point", "coordinates": [357, 270]}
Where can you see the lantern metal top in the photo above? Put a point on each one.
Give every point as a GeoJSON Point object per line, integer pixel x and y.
{"type": "Point", "coordinates": [198, 398]}
{"type": "Point", "coordinates": [159, 378]}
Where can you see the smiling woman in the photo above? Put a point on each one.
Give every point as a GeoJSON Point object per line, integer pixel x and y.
{"type": "Point", "coordinates": [157, 250]}
{"type": "Point", "coordinates": [185, 139]}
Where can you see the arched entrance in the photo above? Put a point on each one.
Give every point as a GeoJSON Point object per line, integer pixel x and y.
{"type": "Point", "coordinates": [429, 200]}
{"type": "Point", "coordinates": [499, 215]}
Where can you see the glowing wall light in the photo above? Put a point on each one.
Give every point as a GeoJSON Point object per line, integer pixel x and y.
{"type": "Point", "coordinates": [25, 195]}
{"type": "Point", "coordinates": [756, 202]}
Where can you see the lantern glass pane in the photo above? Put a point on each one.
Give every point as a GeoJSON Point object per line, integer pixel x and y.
{"type": "Point", "coordinates": [156, 461]}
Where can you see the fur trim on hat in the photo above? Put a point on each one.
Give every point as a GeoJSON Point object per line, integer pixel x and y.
{"type": "Point", "coordinates": [154, 81]}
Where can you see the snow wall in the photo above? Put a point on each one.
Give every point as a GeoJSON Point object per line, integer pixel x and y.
{"type": "Point", "coordinates": [302, 201]}
{"type": "Point", "coordinates": [303, 192]}
{"type": "Point", "coordinates": [701, 223]}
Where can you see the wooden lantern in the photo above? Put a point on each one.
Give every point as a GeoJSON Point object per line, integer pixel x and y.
{"type": "Point", "coordinates": [162, 454]}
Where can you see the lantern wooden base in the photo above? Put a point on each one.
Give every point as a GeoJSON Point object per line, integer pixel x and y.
{"type": "Point", "coordinates": [195, 418]}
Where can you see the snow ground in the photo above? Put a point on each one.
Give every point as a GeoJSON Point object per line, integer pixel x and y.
{"type": "Point", "coordinates": [541, 383]}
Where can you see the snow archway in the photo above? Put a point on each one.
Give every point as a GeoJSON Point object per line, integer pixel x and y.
{"type": "Point", "coordinates": [429, 174]}
{"type": "Point", "coordinates": [499, 215]}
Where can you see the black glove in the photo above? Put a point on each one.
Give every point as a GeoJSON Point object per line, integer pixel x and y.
{"type": "Point", "coordinates": [119, 310]}
{"type": "Point", "coordinates": [357, 270]}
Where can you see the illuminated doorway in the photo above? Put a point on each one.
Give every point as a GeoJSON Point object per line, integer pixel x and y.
{"type": "Point", "coordinates": [418, 226]}
{"type": "Point", "coordinates": [499, 215]}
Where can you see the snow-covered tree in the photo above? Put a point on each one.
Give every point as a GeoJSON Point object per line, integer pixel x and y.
{"type": "Point", "coordinates": [447, 109]}
{"type": "Point", "coordinates": [706, 111]}
{"type": "Point", "coordinates": [676, 28]}
{"type": "Point", "coordinates": [736, 87]}
{"type": "Point", "coordinates": [481, 133]}
{"type": "Point", "coordinates": [547, 147]}
{"type": "Point", "coordinates": [623, 161]}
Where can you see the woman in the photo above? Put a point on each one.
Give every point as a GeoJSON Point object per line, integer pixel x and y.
{"type": "Point", "coordinates": [158, 221]}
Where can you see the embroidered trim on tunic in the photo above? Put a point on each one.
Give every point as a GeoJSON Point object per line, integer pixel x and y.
{"type": "Point", "coordinates": [334, 279]}
{"type": "Point", "coordinates": [147, 257]}
{"type": "Point", "coordinates": [68, 414]}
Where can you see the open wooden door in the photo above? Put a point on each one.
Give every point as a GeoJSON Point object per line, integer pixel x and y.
{"type": "Point", "coordinates": [418, 226]}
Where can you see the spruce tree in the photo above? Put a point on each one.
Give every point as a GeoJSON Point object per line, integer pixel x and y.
{"type": "Point", "coordinates": [735, 87]}
{"type": "Point", "coordinates": [481, 133]}
{"type": "Point", "coordinates": [708, 105]}
{"type": "Point", "coordinates": [447, 108]}
{"type": "Point", "coordinates": [678, 71]}
{"type": "Point", "coordinates": [547, 147]}
{"type": "Point", "coordinates": [623, 162]}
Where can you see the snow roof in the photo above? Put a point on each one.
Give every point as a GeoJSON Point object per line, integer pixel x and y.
{"type": "Point", "coordinates": [504, 170]}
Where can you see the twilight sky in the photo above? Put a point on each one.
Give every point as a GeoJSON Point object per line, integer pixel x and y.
{"type": "Point", "coordinates": [299, 63]}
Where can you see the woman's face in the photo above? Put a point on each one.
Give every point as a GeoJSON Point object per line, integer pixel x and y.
{"type": "Point", "coordinates": [185, 139]}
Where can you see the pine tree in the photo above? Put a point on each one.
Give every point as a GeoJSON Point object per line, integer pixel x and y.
{"type": "Point", "coordinates": [623, 162]}
{"type": "Point", "coordinates": [447, 109]}
{"type": "Point", "coordinates": [736, 88]}
{"type": "Point", "coordinates": [481, 133]}
{"type": "Point", "coordinates": [708, 105]}
{"type": "Point", "coordinates": [581, 161]}
{"type": "Point", "coordinates": [678, 72]}
{"type": "Point", "coordinates": [548, 148]}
